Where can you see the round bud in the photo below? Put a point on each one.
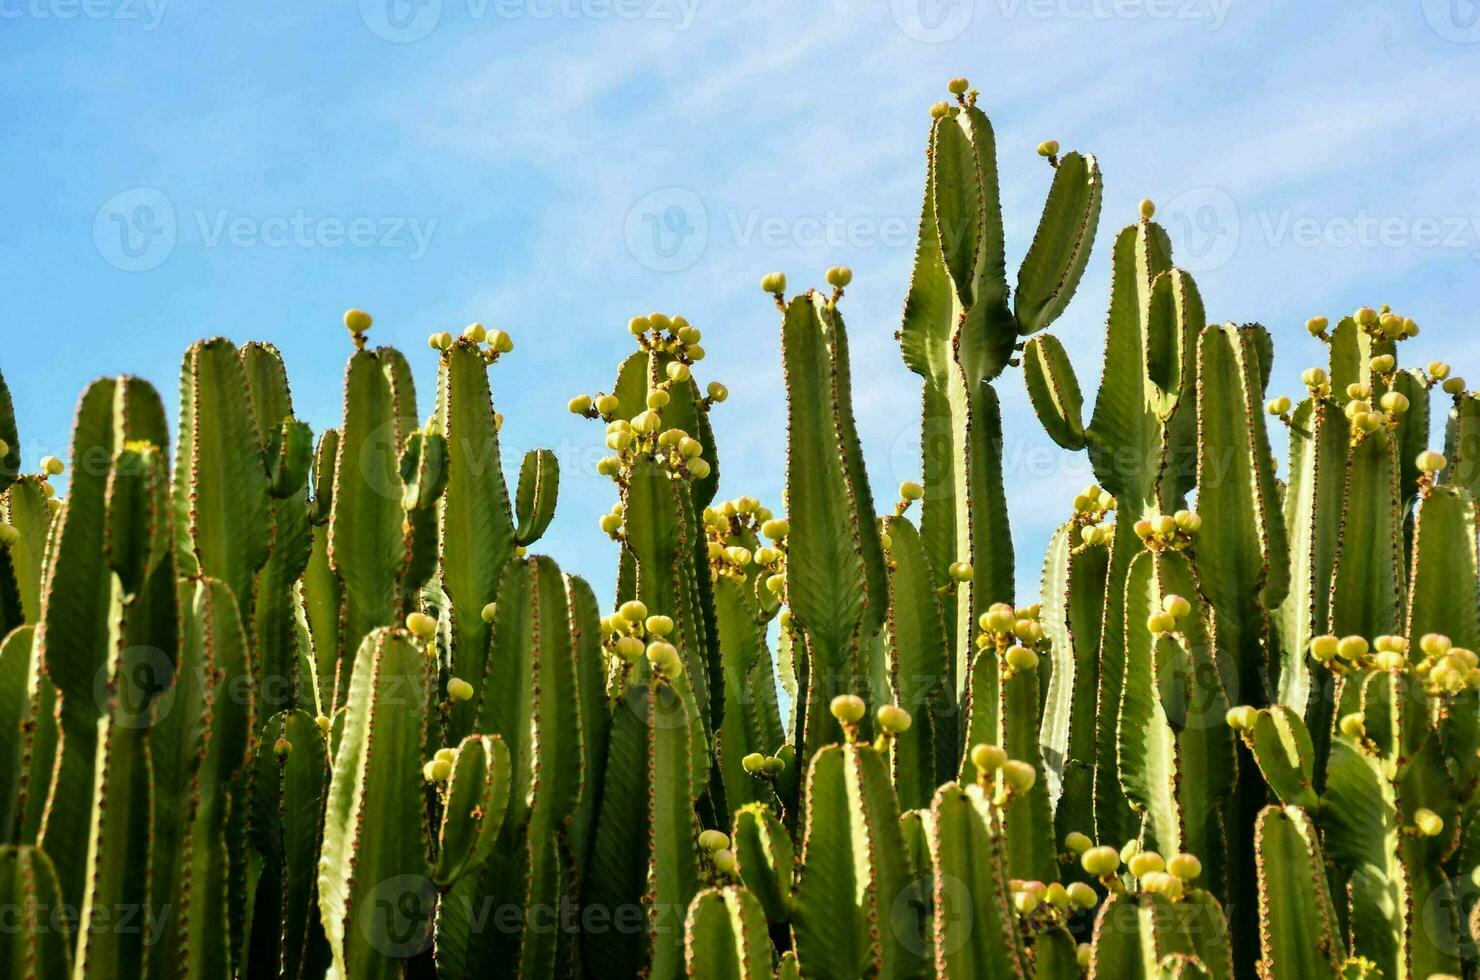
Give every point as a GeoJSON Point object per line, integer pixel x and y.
{"type": "Point", "coordinates": [1148, 210]}
{"type": "Point", "coordinates": [910, 490]}
{"type": "Point", "coordinates": [446, 754]}
{"type": "Point", "coordinates": [459, 689]}
{"type": "Point", "coordinates": [1084, 955]}
{"type": "Point", "coordinates": [579, 405]}
{"type": "Point", "coordinates": [999, 618]}
{"type": "Point", "coordinates": [356, 321]}
{"type": "Point", "coordinates": [1145, 863]}
{"type": "Point", "coordinates": [1390, 660]}
{"type": "Point", "coordinates": [697, 467]}
{"type": "Point", "coordinates": [1143, 529]}
{"type": "Point", "coordinates": [886, 540]}
{"type": "Point", "coordinates": [1390, 644]}
{"type": "Point", "coordinates": [958, 86]}
{"type": "Point", "coordinates": [659, 625]}
{"type": "Point", "coordinates": [51, 466]}
{"type": "Point", "coordinates": [689, 335]}
{"type": "Point", "coordinates": [839, 276]}
{"type": "Point", "coordinates": [987, 758]}
{"type": "Point", "coordinates": [677, 371]}
{"type": "Point", "coordinates": [777, 529]}
{"type": "Point", "coordinates": [664, 657]}
{"type": "Point", "coordinates": [1353, 725]}
{"type": "Point", "coordinates": [1056, 895]}
{"type": "Point", "coordinates": [610, 523]}
{"type": "Point", "coordinates": [1024, 902]}
{"type": "Point", "coordinates": [1082, 895]}
{"type": "Point", "coordinates": [657, 398]}
{"type": "Point", "coordinates": [773, 766]}
{"type": "Point", "coordinates": [438, 771]}
{"type": "Point", "coordinates": [422, 625]}
{"type": "Point", "coordinates": [633, 610]}
{"type": "Point", "coordinates": [1077, 843]}
{"type": "Point", "coordinates": [1278, 406]}
{"type": "Point", "coordinates": [1316, 325]}
{"type": "Point", "coordinates": [1365, 317]}
{"type": "Point", "coordinates": [629, 648]}
{"type": "Point", "coordinates": [893, 720]}
{"type": "Point", "coordinates": [475, 332]}
{"type": "Point", "coordinates": [1164, 524]}
{"type": "Point", "coordinates": [500, 341]}
{"type": "Point", "coordinates": [1048, 148]}
{"type": "Point", "coordinates": [848, 708]}
{"type": "Point", "coordinates": [1313, 377]}
{"type": "Point", "coordinates": [1100, 861]}
{"type": "Point", "coordinates": [1434, 644]}
{"type": "Point", "coordinates": [1431, 462]}
{"type": "Point", "coordinates": [1019, 775]}
{"type": "Point", "coordinates": [1159, 623]}
{"type": "Point", "coordinates": [282, 748]}
{"type": "Point", "coordinates": [1438, 370]}
{"type": "Point", "coordinates": [1429, 823]}
{"type": "Point", "coordinates": [714, 840]}
{"type": "Point", "coordinates": [1021, 658]}
{"type": "Point", "coordinates": [1351, 648]}
{"type": "Point", "coordinates": [940, 110]}
{"type": "Point", "coordinates": [689, 447]}
{"type": "Point", "coordinates": [960, 571]}
{"type": "Point", "coordinates": [1454, 386]}
{"type": "Point", "coordinates": [324, 723]}
{"type": "Point", "coordinates": [774, 282]}
{"type": "Point", "coordinates": [1384, 363]}
{"type": "Point", "coordinates": [1184, 866]}
{"type": "Point", "coordinates": [1241, 718]}
{"type": "Point", "coordinates": [753, 763]}
{"type": "Point", "coordinates": [717, 391]}
{"type": "Point", "coordinates": [1176, 606]}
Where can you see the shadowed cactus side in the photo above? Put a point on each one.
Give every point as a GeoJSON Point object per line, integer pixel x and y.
{"type": "Point", "coordinates": [310, 708]}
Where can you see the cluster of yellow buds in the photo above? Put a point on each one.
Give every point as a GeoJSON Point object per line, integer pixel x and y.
{"type": "Point", "coordinates": [644, 434]}
{"type": "Point", "coordinates": [1173, 531]}
{"type": "Point", "coordinates": [1445, 668]}
{"type": "Point", "coordinates": [1015, 634]}
{"type": "Point", "coordinates": [1091, 506]}
{"type": "Point", "coordinates": [1317, 382]}
{"type": "Point", "coordinates": [1174, 609]}
{"type": "Point", "coordinates": [763, 766]}
{"type": "Point", "coordinates": [849, 710]}
{"type": "Point", "coordinates": [994, 770]}
{"type": "Point", "coordinates": [672, 335]}
{"type": "Point", "coordinates": [611, 522]}
{"type": "Point", "coordinates": [744, 519]}
{"type": "Point", "coordinates": [1384, 324]}
{"type": "Point", "coordinates": [630, 634]}
{"type": "Point", "coordinates": [438, 769]}
{"type": "Point", "coordinates": [498, 341]}
{"type": "Point", "coordinates": [715, 846]}
{"type": "Point", "coordinates": [1053, 903]}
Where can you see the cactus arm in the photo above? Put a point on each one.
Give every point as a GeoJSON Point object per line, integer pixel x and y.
{"type": "Point", "coordinates": [1148, 935]}
{"type": "Point", "coordinates": [539, 485]}
{"type": "Point", "coordinates": [974, 928]}
{"type": "Point", "coordinates": [1242, 555]}
{"type": "Point", "coordinates": [1462, 443]}
{"type": "Point", "coordinates": [1146, 756]}
{"type": "Point", "coordinates": [287, 817]}
{"type": "Point", "coordinates": [853, 868]}
{"type": "Point", "coordinates": [1442, 582]}
{"type": "Point", "coordinates": [1352, 349]}
{"type": "Point", "coordinates": [827, 585]}
{"type": "Point", "coordinates": [957, 195]}
{"type": "Point", "coordinates": [323, 602]}
{"type": "Point", "coordinates": [750, 722]}
{"type": "Point", "coordinates": [1296, 917]}
{"type": "Point", "coordinates": [230, 513]}
{"type": "Point", "coordinates": [672, 873]}
{"type": "Point", "coordinates": [918, 657]}
{"type": "Point", "coordinates": [1319, 436]}
{"type": "Point", "coordinates": [31, 947]}
{"type": "Point", "coordinates": [1282, 747]}
{"type": "Point", "coordinates": [375, 794]}
{"type": "Point", "coordinates": [1072, 607]}
{"type": "Point", "coordinates": [477, 522]}
{"type": "Point", "coordinates": [595, 713]}
{"type": "Point", "coordinates": [1055, 262]}
{"type": "Point", "coordinates": [1366, 586]}
{"type": "Point", "coordinates": [1053, 390]}
{"type": "Point", "coordinates": [369, 539]}
{"type": "Point", "coordinates": [1411, 432]}
{"type": "Point", "coordinates": [725, 936]}
{"type": "Point", "coordinates": [275, 627]}
{"type": "Point", "coordinates": [25, 509]}
{"type": "Point", "coordinates": [764, 852]}
{"type": "Point", "coordinates": [15, 716]}
{"type": "Point", "coordinates": [10, 461]}
{"type": "Point", "coordinates": [477, 798]}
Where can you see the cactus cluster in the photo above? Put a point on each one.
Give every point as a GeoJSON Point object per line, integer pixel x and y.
{"type": "Point", "coordinates": [273, 705]}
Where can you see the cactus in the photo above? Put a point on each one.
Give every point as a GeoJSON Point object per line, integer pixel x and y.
{"type": "Point", "coordinates": [312, 710]}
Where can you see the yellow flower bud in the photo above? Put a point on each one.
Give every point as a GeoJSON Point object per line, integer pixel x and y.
{"type": "Point", "coordinates": [839, 276]}
{"type": "Point", "coordinates": [987, 758]}
{"type": "Point", "coordinates": [422, 625]}
{"type": "Point", "coordinates": [893, 720]}
{"type": "Point", "coordinates": [1048, 148]}
{"type": "Point", "coordinates": [1020, 658]}
{"type": "Point", "coordinates": [356, 321]}
{"type": "Point", "coordinates": [579, 405]}
{"type": "Point", "coordinates": [1148, 210]}
{"type": "Point", "coordinates": [1431, 462]}
{"type": "Point", "coordinates": [1429, 823]}
{"type": "Point", "coordinates": [714, 840]}
{"type": "Point", "coordinates": [774, 282]}
{"type": "Point", "coordinates": [848, 708]}
{"type": "Point", "coordinates": [1019, 775]}
{"type": "Point", "coordinates": [1184, 866]}
{"type": "Point", "coordinates": [1242, 717]}
{"type": "Point", "coordinates": [459, 689]}
{"type": "Point", "coordinates": [1176, 606]}
{"type": "Point", "coordinates": [1316, 325]}
{"type": "Point", "coordinates": [1100, 861]}
{"type": "Point", "coordinates": [1077, 843]}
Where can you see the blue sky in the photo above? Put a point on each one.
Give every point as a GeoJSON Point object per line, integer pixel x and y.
{"type": "Point", "coordinates": [173, 170]}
